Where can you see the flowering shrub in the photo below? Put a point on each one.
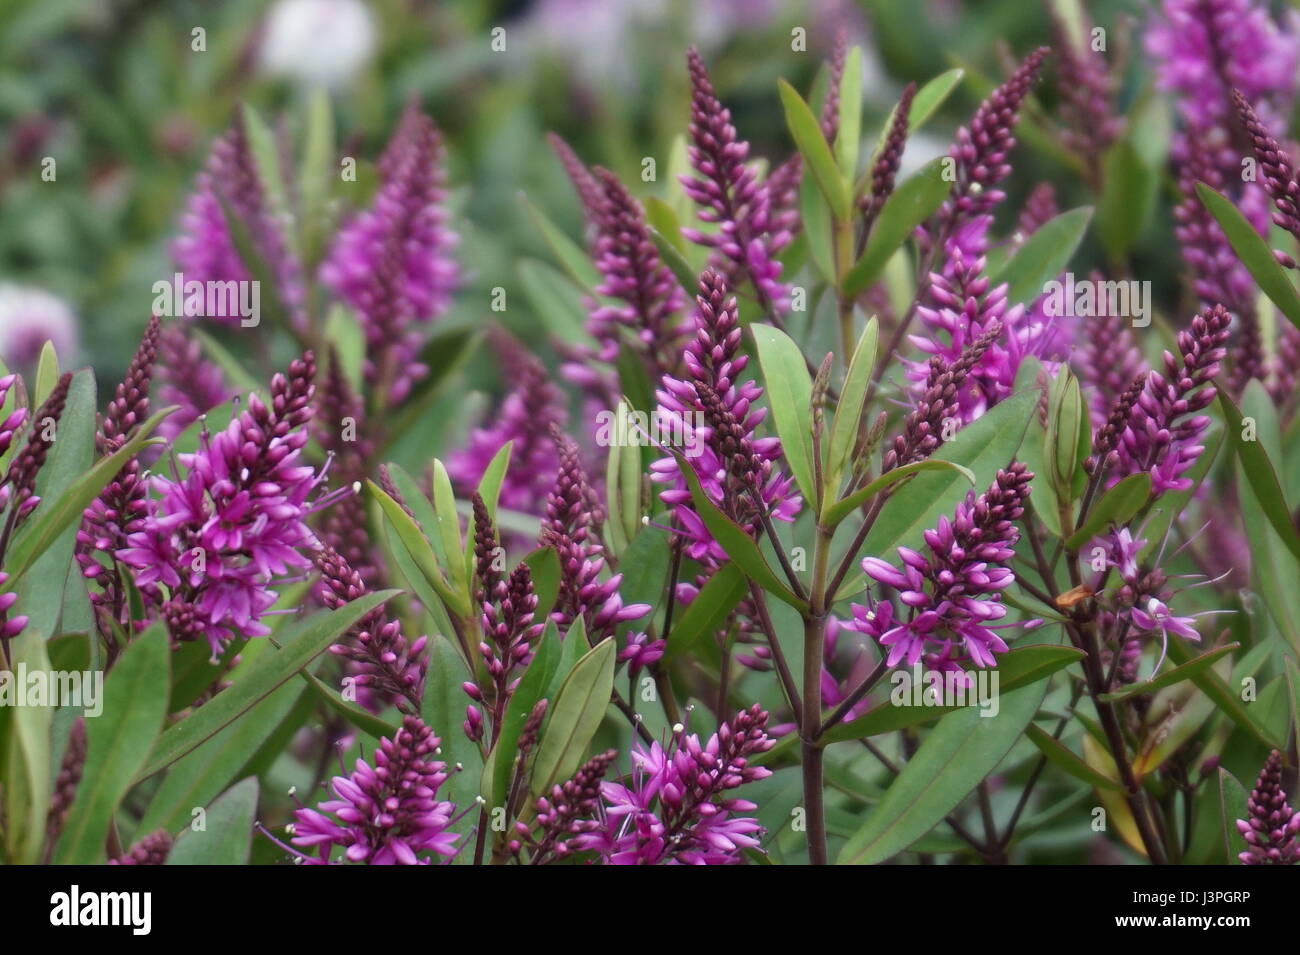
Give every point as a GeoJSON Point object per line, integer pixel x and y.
{"type": "Point", "coordinates": [831, 506]}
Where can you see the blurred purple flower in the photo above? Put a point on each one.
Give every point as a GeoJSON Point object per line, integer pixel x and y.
{"type": "Point", "coordinates": [392, 262]}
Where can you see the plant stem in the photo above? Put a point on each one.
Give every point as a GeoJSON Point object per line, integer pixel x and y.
{"type": "Point", "coordinates": [812, 755]}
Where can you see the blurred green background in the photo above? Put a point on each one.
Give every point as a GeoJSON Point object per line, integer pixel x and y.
{"type": "Point", "coordinates": [114, 92]}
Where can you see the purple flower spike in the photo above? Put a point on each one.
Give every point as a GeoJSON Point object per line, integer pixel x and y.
{"type": "Point", "coordinates": [120, 509]}
{"type": "Point", "coordinates": [385, 663]}
{"type": "Point", "coordinates": [965, 310]}
{"type": "Point", "coordinates": [231, 184]}
{"type": "Point", "coordinates": [673, 810]}
{"type": "Point", "coordinates": [572, 527]}
{"type": "Point", "coordinates": [952, 593]}
{"type": "Point", "coordinates": [730, 195]}
{"type": "Point", "coordinates": [713, 359]}
{"type": "Point", "coordinates": [219, 534]}
{"type": "Point", "coordinates": [634, 274]}
{"type": "Point", "coordinates": [153, 849]}
{"type": "Point", "coordinates": [533, 404]}
{"type": "Point", "coordinates": [1271, 824]}
{"type": "Point", "coordinates": [1164, 424]}
{"type": "Point", "coordinates": [981, 150]}
{"type": "Point", "coordinates": [186, 379]}
{"type": "Point", "coordinates": [386, 814]}
{"type": "Point", "coordinates": [392, 262]}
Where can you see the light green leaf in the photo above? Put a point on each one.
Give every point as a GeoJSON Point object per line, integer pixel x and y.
{"type": "Point", "coordinates": [118, 743]}
{"type": "Point", "coordinates": [577, 712]}
{"type": "Point", "coordinates": [1253, 252]}
{"type": "Point", "coordinates": [816, 153]}
{"type": "Point", "coordinates": [850, 408]}
{"type": "Point", "coordinates": [227, 840]}
{"type": "Point", "coordinates": [789, 394]}
{"type": "Point", "coordinates": [1044, 256]}
{"type": "Point", "coordinates": [914, 201]}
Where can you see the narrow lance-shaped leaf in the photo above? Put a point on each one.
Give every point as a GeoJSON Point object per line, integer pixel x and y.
{"type": "Point", "coordinates": [579, 708]}
{"type": "Point", "coordinates": [914, 201]}
{"type": "Point", "coordinates": [1253, 252]}
{"type": "Point", "coordinates": [816, 153]}
{"type": "Point", "coordinates": [789, 393]}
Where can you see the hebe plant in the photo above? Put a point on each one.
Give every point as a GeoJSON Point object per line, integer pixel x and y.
{"type": "Point", "coordinates": [884, 556]}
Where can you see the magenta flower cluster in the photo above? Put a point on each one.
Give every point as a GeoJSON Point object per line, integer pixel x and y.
{"type": "Point", "coordinates": [217, 535]}
{"type": "Point", "coordinates": [673, 810]}
{"type": "Point", "coordinates": [951, 595]}
{"type": "Point", "coordinates": [388, 813]}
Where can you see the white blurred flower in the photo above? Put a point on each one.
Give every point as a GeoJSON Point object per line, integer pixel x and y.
{"type": "Point", "coordinates": [29, 317]}
{"type": "Point", "coordinates": [317, 42]}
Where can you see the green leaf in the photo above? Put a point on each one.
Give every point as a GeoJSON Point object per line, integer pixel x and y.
{"type": "Point", "coordinates": [1176, 675]}
{"type": "Point", "coordinates": [47, 374]}
{"type": "Point", "coordinates": [960, 752]}
{"type": "Point", "coordinates": [1253, 252]}
{"type": "Point", "coordinates": [925, 103]}
{"type": "Point", "coordinates": [984, 446]}
{"type": "Point", "coordinates": [908, 206]}
{"type": "Point", "coordinates": [707, 613]}
{"type": "Point", "coordinates": [1127, 197]}
{"type": "Point", "coordinates": [623, 482]}
{"type": "Point", "coordinates": [816, 153]}
{"type": "Point", "coordinates": [644, 567]}
{"type": "Point", "coordinates": [848, 139]}
{"type": "Point", "coordinates": [578, 710]}
{"type": "Point", "coordinates": [737, 544]}
{"type": "Point", "coordinates": [499, 768]}
{"type": "Point", "coordinates": [672, 257]}
{"type": "Point", "coordinates": [316, 175]}
{"type": "Point", "coordinates": [419, 549]}
{"type": "Point", "coordinates": [789, 394]}
{"type": "Point", "coordinates": [489, 486]}
{"type": "Point", "coordinates": [272, 669]}
{"type": "Point", "coordinates": [556, 300]}
{"type": "Point", "coordinates": [930, 97]}
{"type": "Point", "coordinates": [1258, 468]}
{"type": "Point", "coordinates": [228, 836]}
{"type": "Point", "coordinates": [544, 564]}
{"type": "Point", "coordinates": [851, 406]}
{"type": "Point", "coordinates": [1044, 256]}
{"type": "Point", "coordinates": [848, 505]}
{"type": "Point", "coordinates": [358, 716]}
{"type": "Point", "coordinates": [1061, 755]}
{"type": "Point", "coordinates": [447, 524]}
{"type": "Point", "coordinates": [567, 252]}
{"type": "Point", "coordinates": [1020, 667]}
{"type": "Point", "coordinates": [1232, 806]}
{"type": "Point", "coordinates": [660, 216]}
{"type": "Point", "coordinates": [203, 774]}
{"type": "Point", "coordinates": [816, 219]}
{"type": "Point", "coordinates": [52, 518]}
{"type": "Point", "coordinates": [1116, 506]}
{"type": "Point", "coordinates": [118, 743]}
{"type": "Point", "coordinates": [1228, 701]}
{"type": "Point", "coordinates": [443, 711]}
